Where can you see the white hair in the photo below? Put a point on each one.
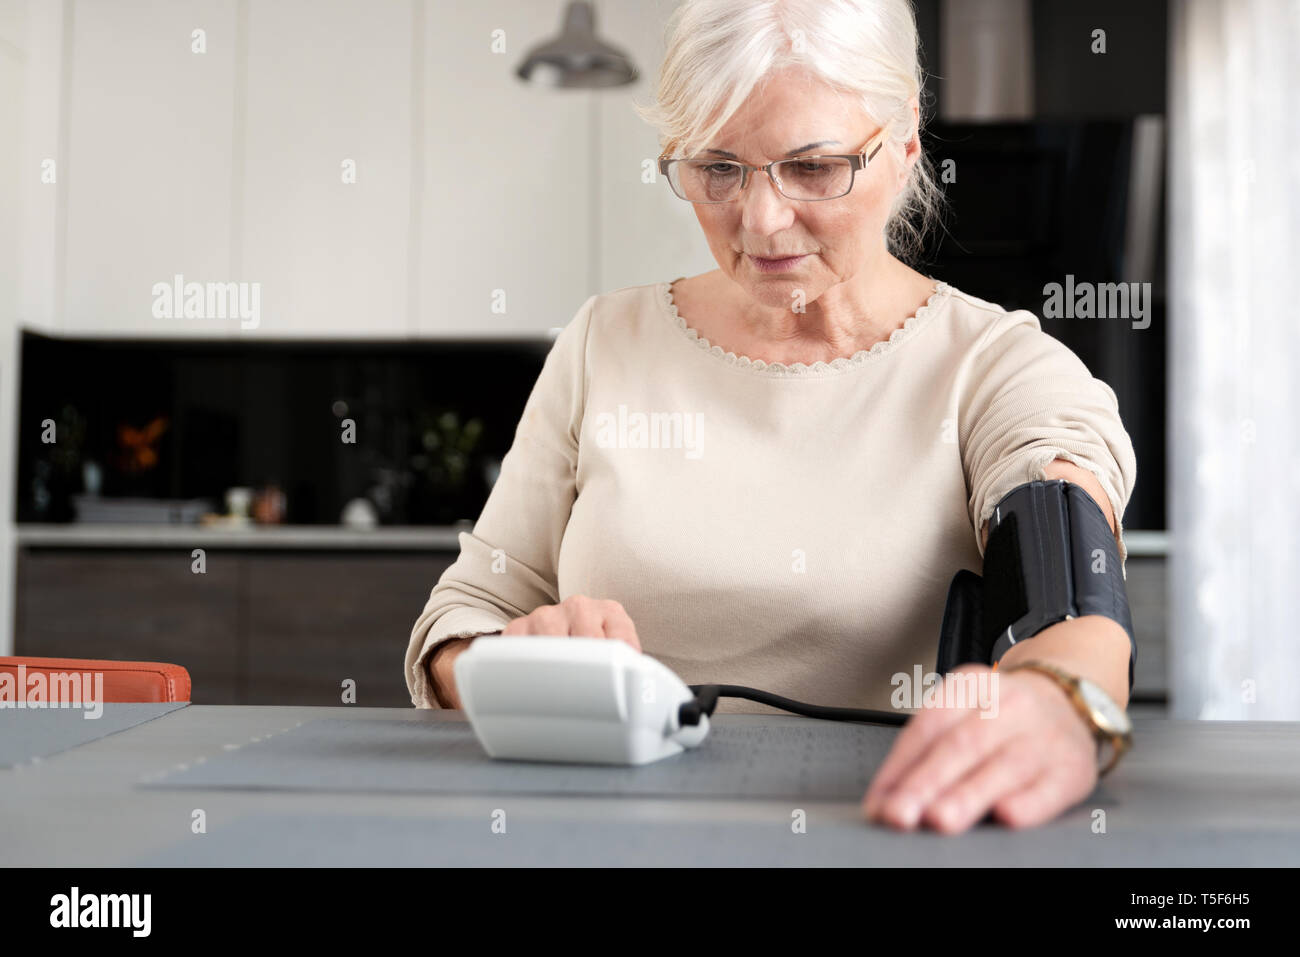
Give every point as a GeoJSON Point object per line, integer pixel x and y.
{"type": "Point", "coordinates": [719, 51]}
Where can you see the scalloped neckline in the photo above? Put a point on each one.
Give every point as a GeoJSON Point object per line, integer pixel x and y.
{"type": "Point", "coordinates": [839, 364]}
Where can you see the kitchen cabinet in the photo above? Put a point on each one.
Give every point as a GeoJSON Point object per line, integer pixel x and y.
{"type": "Point", "coordinates": [357, 170]}
{"type": "Point", "coordinates": [317, 620]}
{"type": "Point", "coordinates": [148, 176]}
{"type": "Point", "coordinates": [323, 219]}
{"type": "Point", "coordinates": [256, 628]}
{"type": "Point", "coordinates": [278, 159]}
{"type": "Point", "coordinates": [135, 606]}
{"type": "Point", "coordinates": [506, 199]}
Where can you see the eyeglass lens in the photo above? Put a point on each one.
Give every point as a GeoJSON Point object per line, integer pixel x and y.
{"type": "Point", "coordinates": [717, 181]}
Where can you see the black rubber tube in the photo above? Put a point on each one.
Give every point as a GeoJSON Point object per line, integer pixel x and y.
{"type": "Point", "coordinates": [706, 700]}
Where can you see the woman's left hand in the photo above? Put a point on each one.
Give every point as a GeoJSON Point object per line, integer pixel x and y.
{"type": "Point", "coordinates": [950, 766]}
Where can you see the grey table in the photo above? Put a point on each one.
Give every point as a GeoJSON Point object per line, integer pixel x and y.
{"type": "Point", "coordinates": [1191, 794]}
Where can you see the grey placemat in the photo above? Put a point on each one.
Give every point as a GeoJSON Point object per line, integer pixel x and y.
{"type": "Point", "coordinates": [28, 734]}
{"type": "Point", "coordinates": [372, 840]}
{"type": "Point", "coordinates": [821, 760]}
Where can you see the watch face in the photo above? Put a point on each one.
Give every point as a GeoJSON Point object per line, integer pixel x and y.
{"type": "Point", "coordinates": [1108, 714]}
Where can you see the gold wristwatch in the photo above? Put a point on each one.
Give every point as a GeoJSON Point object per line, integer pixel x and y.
{"type": "Point", "coordinates": [1109, 722]}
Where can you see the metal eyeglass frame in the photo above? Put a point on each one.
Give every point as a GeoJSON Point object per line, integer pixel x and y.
{"type": "Point", "coordinates": [858, 161]}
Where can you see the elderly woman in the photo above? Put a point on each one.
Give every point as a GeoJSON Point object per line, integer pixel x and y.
{"type": "Point", "coordinates": [849, 426]}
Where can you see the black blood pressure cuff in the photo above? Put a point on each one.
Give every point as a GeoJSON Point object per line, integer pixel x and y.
{"type": "Point", "coordinates": [1050, 556]}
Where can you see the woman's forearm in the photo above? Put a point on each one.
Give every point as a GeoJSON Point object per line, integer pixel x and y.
{"type": "Point", "coordinates": [1091, 647]}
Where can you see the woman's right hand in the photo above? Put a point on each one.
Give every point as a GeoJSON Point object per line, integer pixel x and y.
{"type": "Point", "coordinates": [580, 617]}
{"type": "Point", "coordinates": [577, 616]}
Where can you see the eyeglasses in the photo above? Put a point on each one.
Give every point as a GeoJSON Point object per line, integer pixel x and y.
{"type": "Point", "coordinates": [808, 179]}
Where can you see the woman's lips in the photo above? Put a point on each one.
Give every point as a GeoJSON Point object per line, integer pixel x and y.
{"type": "Point", "coordinates": [776, 265]}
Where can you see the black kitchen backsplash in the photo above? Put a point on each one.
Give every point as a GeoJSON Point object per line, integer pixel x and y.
{"type": "Point", "coordinates": [185, 419]}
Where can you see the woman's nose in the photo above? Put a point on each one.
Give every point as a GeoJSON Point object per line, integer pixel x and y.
{"type": "Point", "coordinates": [763, 207]}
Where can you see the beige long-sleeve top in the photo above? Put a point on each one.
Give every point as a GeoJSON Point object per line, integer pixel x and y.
{"type": "Point", "coordinates": [792, 528]}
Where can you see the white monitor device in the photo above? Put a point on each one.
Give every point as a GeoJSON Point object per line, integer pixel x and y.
{"type": "Point", "coordinates": [579, 700]}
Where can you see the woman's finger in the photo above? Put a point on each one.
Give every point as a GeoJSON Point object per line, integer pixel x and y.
{"type": "Point", "coordinates": [618, 624]}
{"type": "Point", "coordinates": [548, 620]}
{"type": "Point", "coordinates": [921, 729]}
{"type": "Point", "coordinates": [1009, 769]}
{"type": "Point", "coordinates": [586, 619]}
{"type": "Point", "coordinates": [962, 746]}
{"type": "Point", "coordinates": [1053, 791]}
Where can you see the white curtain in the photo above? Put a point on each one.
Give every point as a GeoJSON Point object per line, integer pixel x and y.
{"type": "Point", "coordinates": [1234, 233]}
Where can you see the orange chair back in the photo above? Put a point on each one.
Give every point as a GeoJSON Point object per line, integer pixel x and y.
{"type": "Point", "coordinates": [122, 680]}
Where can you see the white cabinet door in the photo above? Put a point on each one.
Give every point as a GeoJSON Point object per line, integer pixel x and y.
{"type": "Point", "coordinates": [375, 170]}
{"type": "Point", "coordinates": [328, 94]}
{"type": "Point", "coordinates": [38, 94]}
{"type": "Point", "coordinates": [505, 202]}
{"type": "Point", "coordinates": [148, 175]}
{"type": "Point", "coordinates": [15, 180]}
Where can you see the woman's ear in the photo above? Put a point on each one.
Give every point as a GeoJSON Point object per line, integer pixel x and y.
{"type": "Point", "coordinates": [912, 149]}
